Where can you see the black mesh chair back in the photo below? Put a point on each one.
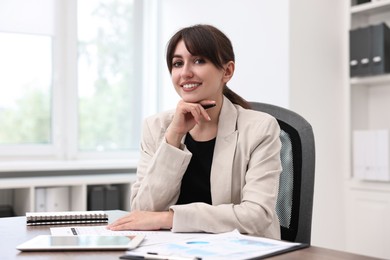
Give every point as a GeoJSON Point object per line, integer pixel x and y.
{"type": "Point", "coordinates": [296, 188]}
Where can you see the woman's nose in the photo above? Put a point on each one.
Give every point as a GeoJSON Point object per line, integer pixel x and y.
{"type": "Point", "coordinates": [186, 71]}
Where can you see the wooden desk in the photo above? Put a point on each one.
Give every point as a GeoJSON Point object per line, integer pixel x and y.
{"type": "Point", "coordinates": [13, 231]}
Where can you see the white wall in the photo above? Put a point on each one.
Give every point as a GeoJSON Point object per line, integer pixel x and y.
{"type": "Point", "coordinates": [259, 33]}
{"type": "Point", "coordinates": [318, 91]}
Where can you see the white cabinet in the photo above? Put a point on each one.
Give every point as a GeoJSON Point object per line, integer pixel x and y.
{"type": "Point", "coordinates": [368, 225]}
{"type": "Point", "coordinates": [21, 192]}
{"type": "Point", "coordinates": [368, 202]}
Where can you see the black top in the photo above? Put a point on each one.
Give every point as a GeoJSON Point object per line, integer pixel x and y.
{"type": "Point", "coordinates": [195, 185]}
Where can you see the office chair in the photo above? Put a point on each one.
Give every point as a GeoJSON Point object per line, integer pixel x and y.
{"type": "Point", "coordinates": [296, 188]}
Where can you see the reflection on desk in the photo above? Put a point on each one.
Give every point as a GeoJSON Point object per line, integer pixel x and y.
{"type": "Point", "coordinates": [14, 232]}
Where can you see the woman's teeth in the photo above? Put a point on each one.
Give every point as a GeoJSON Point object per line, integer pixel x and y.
{"type": "Point", "coordinates": [189, 86]}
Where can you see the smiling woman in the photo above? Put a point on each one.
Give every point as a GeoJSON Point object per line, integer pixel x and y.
{"type": "Point", "coordinates": [226, 158]}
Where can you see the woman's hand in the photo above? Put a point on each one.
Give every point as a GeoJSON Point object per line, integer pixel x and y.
{"type": "Point", "coordinates": [143, 220]}
{"type": "Point", "coordinates": [187, 115]}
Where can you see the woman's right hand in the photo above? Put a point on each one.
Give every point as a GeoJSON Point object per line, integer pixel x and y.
{"type": "Point", "coordinates": [187, 115]}
{"type": "Point", "coordinates": [143, 220]}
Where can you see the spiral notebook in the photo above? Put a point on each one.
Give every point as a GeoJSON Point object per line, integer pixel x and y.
{"type": "Point", "coordinates": [65, 217]}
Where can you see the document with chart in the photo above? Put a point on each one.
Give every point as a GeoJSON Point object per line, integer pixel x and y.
{"type": "Point", "coordinates": [231, 245]}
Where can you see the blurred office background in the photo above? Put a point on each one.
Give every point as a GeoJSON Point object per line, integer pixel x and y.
{"type": "Point", "coordinates": [78, 76]}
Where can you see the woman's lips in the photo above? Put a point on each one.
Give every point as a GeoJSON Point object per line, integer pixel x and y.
{"type": "Point", "coordinates": [190, 86]}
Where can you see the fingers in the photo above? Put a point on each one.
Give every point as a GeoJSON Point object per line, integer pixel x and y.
{"type": "Point", "coordinates": [142, 220]}
{"type": "Point", "coordinates": [126, 226]}
{"type": "Point", "coordinates": [198, 110]}
{"type": "Point", "coordinates": [205, 114]}
{"type": "Point", "coordinates": [120, 222]}
{"type": "Point", "coordinates": [120, 227]}
{"type": "Point", "coordinates": [187, 115]}
{"type": "Point", "coordinates": [127, 222]}
{"type": "Point", "coordinates": [207, 104]}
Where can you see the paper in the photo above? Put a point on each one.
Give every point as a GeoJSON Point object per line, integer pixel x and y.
{"type": "Point", "coordinates": [231, 245]}
{"type": "Point", "coordinates": [151, 237]}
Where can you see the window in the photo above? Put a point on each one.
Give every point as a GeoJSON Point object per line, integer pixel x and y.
{"type": "Point", "coordinates": [70, 79]}
{"type": "Point", "coordinates": [26, 82]}
{"type": "Point", "coordinates": [108, 72]}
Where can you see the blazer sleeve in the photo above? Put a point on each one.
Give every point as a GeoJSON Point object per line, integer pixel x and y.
{"type": "Point", "coordinates": [255, 213]}
{"type": "Point", "coordinates": [160, 170]}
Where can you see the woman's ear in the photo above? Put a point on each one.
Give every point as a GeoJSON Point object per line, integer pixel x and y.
{"type": "Point", "coordinates": [228, 71]}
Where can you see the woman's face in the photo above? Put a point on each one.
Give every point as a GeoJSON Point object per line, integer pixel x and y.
{"type": "Point", "coordinates": [196, 78]}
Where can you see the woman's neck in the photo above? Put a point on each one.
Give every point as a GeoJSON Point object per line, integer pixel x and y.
{"type": "Point", "coordinates": [204, 131]}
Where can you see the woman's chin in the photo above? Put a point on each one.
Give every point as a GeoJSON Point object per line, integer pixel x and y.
{"type": "Point", "coordinates": [190, 100]}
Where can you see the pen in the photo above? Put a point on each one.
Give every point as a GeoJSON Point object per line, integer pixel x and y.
{"type": "Point", "coordinates": [209, 106]}
{"type": "Point", "coordinates": [134, 255]}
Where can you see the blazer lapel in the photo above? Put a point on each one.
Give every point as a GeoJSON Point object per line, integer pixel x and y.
{"type": "Point", "coordinates": [225, 146]}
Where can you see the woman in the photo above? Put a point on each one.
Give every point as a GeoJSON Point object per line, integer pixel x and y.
{"type": "Point", "coordinates": [212, 164]}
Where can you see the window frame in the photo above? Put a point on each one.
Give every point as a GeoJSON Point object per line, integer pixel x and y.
{"type": "Point", "coordinates": [63, 150]}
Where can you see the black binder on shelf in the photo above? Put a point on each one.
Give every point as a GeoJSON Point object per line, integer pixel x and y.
{"type": "Point", "coordinates": [358, 2]}
{"type": "Point", "coordinates": [112, 200]}
{"type": "Point", "coordinates": [103, 197]}
{"type": "Point", "coordinates": [96, 198]}
{"type": "Point", "coordinates": [6, 211]}
{"type": "Point", "coordinates": [370, 50]}
{"type": "Point", "coordinates": [380, 49]}
{"type": "Point", "coordinates": [359, 52]}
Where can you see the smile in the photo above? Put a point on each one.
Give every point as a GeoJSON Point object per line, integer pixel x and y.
{"type": "Point", "coordinates": [190, 86]}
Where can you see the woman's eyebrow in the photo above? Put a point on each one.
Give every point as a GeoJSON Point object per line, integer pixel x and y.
{"type": "Point", "coordinates": [177, 56]}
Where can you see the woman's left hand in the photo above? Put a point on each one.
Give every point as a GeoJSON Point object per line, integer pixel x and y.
{"type": "Point", "coordinates": [143, 220]}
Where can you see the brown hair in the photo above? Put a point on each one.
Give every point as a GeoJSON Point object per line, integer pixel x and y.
{"type": "Point", "coordinates": [210, 43]}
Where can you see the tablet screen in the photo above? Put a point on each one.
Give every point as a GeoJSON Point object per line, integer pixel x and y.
{"type": "Point", "coordinates": [47, 242]}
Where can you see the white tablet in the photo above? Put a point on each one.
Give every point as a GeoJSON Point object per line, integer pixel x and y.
{"type": "Point", "coordinates": [50, 243]}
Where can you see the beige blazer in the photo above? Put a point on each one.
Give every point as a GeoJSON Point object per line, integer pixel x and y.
{"type": "Point", "coordinates": [244, 175]}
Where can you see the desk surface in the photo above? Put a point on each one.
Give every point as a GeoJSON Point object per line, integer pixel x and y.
{"type": "Point", "coordinates": [14, 232]}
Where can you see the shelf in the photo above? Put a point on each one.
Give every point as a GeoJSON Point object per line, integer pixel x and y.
{"type": "Point", "coordinates": [15, 183]}
{"type": "Point", "coordinates": [374, 186]}
{"type": "Point", "coordinates": [24, 189]}
{"type": "Point", "coordinates": [370, 80]}
{"type": "Point", "coordinates": [54, 165]}
{"type": "Point", "coordinates": [374, 7]}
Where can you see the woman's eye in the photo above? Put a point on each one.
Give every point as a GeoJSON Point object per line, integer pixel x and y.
{"type": "Point", "coordinates": [200, 61]}
{"type": "Point", "coordinates": [177, 64]}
